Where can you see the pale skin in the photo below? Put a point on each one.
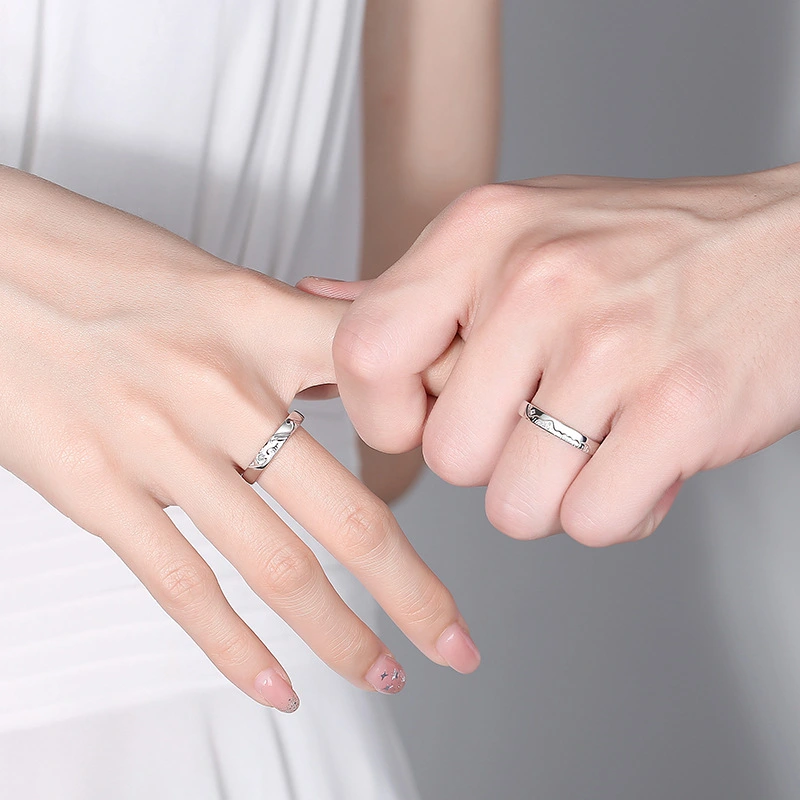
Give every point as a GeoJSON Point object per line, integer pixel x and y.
{"type": "Point", "coordinates": [660, 316]}
{"type": "Point", "coordinates": [106, 310]}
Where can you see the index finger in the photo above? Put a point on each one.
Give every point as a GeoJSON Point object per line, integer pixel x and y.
{"type": "Point", "coordinates": [407, 318]}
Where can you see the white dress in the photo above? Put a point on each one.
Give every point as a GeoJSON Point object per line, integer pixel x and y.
{"type": "Point", "coordinates": [234, 123]}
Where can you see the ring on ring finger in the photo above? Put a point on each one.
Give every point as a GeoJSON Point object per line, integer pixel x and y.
{"type": "Point", "coordinates": [558, 429]}
{"type": "Point", "coordinates": [272, 446]}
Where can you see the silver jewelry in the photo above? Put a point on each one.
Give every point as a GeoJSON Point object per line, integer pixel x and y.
{"type": "Point", "coordinates": [274, 443]}
{"type": "Point", "coordinates": [558, 428]}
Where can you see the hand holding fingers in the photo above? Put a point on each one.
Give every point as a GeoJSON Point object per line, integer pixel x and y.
{"type": "Point", "coordinates": [406, 319]}
{"type": "Point", "coordinates": [655, 315]}
{"type": "Point", "coordinates": [434, 376]}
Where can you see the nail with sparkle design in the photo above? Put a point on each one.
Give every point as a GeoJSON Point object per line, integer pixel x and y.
{"type": "Point", "coordinates": [276, 691]}
{"type": "Point", "coordinates": [386, 675]}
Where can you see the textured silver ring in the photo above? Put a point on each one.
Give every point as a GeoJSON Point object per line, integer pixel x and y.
{"type": "Point", "coordinates": [559, 429]}
{"type": "Point", "coordinates": [274, 443]}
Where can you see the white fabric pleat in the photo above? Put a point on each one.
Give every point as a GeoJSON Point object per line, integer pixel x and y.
{"type": "Point", "coordinates": [215, 745]}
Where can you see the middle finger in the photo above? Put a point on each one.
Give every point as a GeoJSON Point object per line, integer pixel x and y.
{"type": "Point", "coordinates": [359, 530]}
{"type": "Point", "coordinates": [283, 571]}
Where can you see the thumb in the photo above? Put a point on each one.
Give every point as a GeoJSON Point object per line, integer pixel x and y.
{"type": "Point", "coordinates": [433, 378]}
{"type": "Point", "coordinates": [333, 288]}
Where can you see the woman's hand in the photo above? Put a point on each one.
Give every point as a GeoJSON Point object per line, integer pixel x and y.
{"type": "Point", "coordinates": [140, 372]}
{"type": "Point", "coordinates": [659, 317]}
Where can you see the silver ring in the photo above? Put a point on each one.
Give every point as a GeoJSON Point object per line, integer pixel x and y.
{"type": "Point", "coordinates": [274, 443]}
{"type": "Point", "coordinates": [558, 428]}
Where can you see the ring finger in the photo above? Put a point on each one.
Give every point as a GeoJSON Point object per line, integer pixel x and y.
{"type": "Point", "coordinates": [284, 572]}
{"type": "Point", "coordinates": [360, 531]}
{"type": "Point", "coordinates": [536, 467]}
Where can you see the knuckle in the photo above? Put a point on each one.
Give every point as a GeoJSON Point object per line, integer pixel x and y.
{"type": "Point", "coordinates": [345, 644]}
{"type": "Point", "coordinates": [553, 269]}
{"type": "Point", "coordinates": [589, 529]}
{"type": "Point", "coordinates": [364, 529]}
{"type": "Point", "coordinates": [484, 209]}
{"type": "Point", "coordinates": [512, 516]}
{"type": "Point", "coordinates": [561, 255]}
{"type": "Point", "coordinates": [187, 587]}
{"type": "Point", "coordinates": [80, 457]}
{"type": "Point", "coordinates": [288, 571]}
{"type": "Point", "coordinates": [487, 202]}
{"type": "Point", "coordinates": [158, 441]}
{"type": "Point", "coordinates": [449, 456]}
{"type": "Point", "coordinates": [243, 289]}
{"type": "Point", "coordinates": [425, 604]}
{"type": "Point", "coordinates": [85, 481]}
{"type": "Point", "coordinates": [690, 388]}
{"type": "Point", "coordinates": [557, 181]}
{"type": "Point", "coordinates": [361, 348]}
{"type": "Point", "coordinates": [600, 347]}
{"type": "Point", "coordinates": [206, 380]}
{"type": "Point", "coordinates": [151, 423]}
{"type": "Point", "coordinates": [230, 650]}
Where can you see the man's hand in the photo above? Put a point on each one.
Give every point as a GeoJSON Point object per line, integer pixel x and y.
{"type": "Point", "coordinates": [659, 317]}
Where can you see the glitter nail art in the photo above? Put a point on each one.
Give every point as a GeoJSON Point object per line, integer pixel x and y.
{"type": "Point", "coordinates": [386, 675]}
{"type": "Point", "coordinates": [276, 691]}
{"type": "Point", "coordinates": [292, 705]}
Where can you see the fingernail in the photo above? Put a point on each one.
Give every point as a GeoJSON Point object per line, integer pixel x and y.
{"type": "Point", "coordinates": [282, 672]}
{"type": "Point", "coordinates": [643, 529]}
{"type": "Point", "coordinates": [457, 648]}
{"type": "Point", "coordinates": [317, 278]}
{"type": "Point", "coordinates": [386, 675]}
{"type": "Point", "coordinates": [277, 691]}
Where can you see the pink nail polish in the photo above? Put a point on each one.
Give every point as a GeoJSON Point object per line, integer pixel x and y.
{"type": "Point", "coordinates": [457, 648]}
{"type": "Point", "coordinates": [386, 675]}
{"type": "Point", "coordinates": [276, 691]}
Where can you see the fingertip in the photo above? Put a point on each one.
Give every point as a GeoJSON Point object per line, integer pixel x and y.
{"type": "Point", "coordinates": [386, 675]}
{"type": "Point", "coordinates": [274, 687]}
{"type": "Point", "coordinates": [456, 647]}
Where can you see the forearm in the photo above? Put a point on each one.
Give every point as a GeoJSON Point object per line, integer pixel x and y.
{"type": "Point", "coordinates": [431, 121]}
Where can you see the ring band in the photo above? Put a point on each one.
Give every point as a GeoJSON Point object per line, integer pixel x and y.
{"type": "Point", "coordinates": [274, 443]}
{"type": "Point", "coordinates": [558, 429]}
